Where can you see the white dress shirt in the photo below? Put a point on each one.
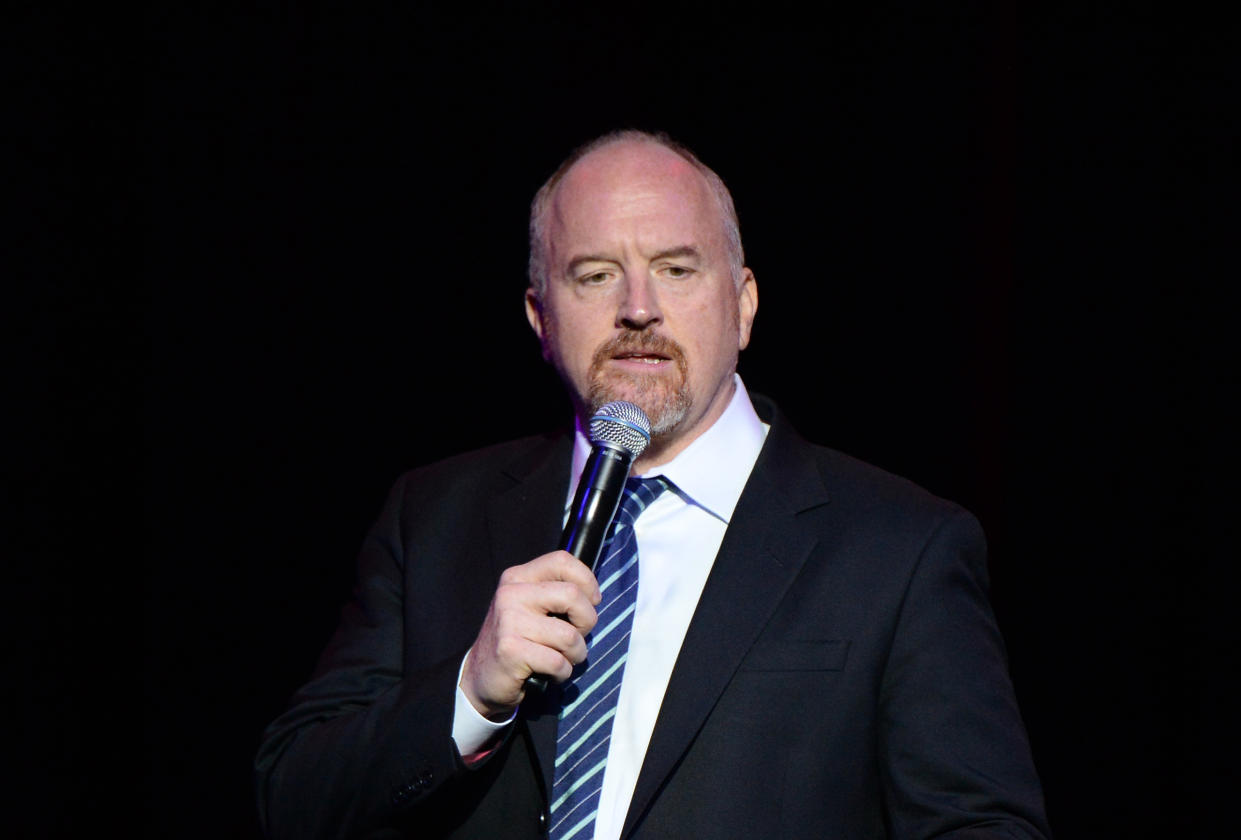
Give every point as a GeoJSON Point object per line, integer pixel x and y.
{"type": "Point", "coordinates": [678, 537]}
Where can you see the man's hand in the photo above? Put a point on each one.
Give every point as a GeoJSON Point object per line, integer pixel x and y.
{"type": "Point", "coordinates": [523, 635]}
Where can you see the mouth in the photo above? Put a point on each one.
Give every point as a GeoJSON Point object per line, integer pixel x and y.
{"type": "Point", "coordinates": [634, 354]}
{"type": "Point", "coordinates": [641, 358]}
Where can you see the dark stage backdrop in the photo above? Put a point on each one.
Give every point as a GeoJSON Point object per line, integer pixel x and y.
{"type": "Point", "coordinates": [956, 219]}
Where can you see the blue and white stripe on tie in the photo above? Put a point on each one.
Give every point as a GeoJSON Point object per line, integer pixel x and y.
{"type": "Point", "coordinates": [584, 731]}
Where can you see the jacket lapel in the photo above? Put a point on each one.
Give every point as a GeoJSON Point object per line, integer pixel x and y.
{"type": "Point", "coordinates": [524, 519]}
{"type": "Point", "coordinates": [524, 522]}
{"type": "Point", "coordinates": [762, 552]}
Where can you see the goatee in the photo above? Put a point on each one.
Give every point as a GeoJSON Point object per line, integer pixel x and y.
{"type": "Point", "coordinates": [664, 396]}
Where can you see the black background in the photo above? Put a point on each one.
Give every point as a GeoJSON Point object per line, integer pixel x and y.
{"type": "Point", "coordinates": [279, 255]}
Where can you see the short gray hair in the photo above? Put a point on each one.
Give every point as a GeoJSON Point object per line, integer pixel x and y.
{"type": "Point", "coordinates": [543, 199]}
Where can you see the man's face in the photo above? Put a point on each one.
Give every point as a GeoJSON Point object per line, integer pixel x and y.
{"type": "Point", "coordinates": [641, 304]}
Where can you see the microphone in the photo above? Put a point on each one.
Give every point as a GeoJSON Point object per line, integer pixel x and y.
{"type": "Point", "coordinates": [619, 433]}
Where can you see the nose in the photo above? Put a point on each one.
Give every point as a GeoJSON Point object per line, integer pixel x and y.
{"type": "Point", "coordinates": [639, 308]}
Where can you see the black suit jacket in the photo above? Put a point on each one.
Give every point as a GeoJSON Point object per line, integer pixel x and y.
{"type": "Point", "coordinates": [842, 676]}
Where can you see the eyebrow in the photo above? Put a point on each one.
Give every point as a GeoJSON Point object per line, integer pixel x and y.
{"type": "Point", "coordinates": [678, 252]}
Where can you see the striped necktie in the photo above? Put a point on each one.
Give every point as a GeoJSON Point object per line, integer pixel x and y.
{"type": "Point", "coordinates": [585, 727]}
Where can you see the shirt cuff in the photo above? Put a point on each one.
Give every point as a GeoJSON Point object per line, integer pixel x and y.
{"type": "Point", "coordinates": [474, 735]}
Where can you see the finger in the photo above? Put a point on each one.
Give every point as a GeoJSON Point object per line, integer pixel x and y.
{"type": "Point", "coordinates": [554, 614]}
{"type": "Point", "coordinates": [562, 636]}
{"type": "Point", "coordinates": [527, 656]}
{"type": "Point", "coordinates": [550, 663]}
{"type": "Point", "coordinates": [494, 678]}
{"type": "Point", "coordinates": [564, 601]}
{"type": "Point", "coordinates": [555, 566]}
{"type": "Point", "coordinates": [547, 613]}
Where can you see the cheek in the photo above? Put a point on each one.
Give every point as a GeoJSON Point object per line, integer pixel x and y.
{"type": "Point", "coordinates": [712, 327]}
{"type": "Point", "coordinates": [568, 341]}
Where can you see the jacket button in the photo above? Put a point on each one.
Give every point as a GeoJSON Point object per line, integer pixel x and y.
{"type": "Point", "coordinates": [543, 821]}
{"type": "Point", "coordinates": [402, 794]}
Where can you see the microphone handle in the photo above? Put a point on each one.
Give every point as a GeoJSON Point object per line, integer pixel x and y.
{"type": "Point", "coordinates": [595, 504]}
{"type": "Point", "coordinates": [594, 507]}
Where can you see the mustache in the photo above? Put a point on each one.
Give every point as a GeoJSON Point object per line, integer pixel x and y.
{"type": "Point", "coordinates": [645, 343]}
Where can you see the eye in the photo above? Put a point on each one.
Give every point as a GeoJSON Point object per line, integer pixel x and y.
{"type": "Point", "coordinates": [677, 272]}
{"type": "Point", "coordinates": [595, 279]}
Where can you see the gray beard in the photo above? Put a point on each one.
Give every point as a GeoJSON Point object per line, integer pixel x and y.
{"type": "Point", "coordinates": [665, 409]}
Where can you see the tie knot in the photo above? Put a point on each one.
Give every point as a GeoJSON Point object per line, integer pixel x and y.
{"type": "Point", "coordinates": [639, 493]}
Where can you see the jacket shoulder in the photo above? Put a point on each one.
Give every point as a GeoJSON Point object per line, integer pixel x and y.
{"type": "Point", "coordinates": [495, 467]}
{"type": "Point", "coordinates": [854, 476]}
{"type": "Point", "coordinates": [848, 482]}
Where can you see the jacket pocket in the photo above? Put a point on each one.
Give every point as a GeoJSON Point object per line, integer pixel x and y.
{"type": "Point", "coordinates": [828, 655]}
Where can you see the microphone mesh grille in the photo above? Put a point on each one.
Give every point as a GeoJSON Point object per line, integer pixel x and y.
{"type": "Point", "coordinates": [621, 423]}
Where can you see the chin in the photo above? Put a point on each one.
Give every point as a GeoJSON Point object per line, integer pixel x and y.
{"type": "Point", "coordinates": [665, 406]}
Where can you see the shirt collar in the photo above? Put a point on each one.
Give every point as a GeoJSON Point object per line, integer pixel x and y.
{"type": "Point", "coordinates": [712, 471]}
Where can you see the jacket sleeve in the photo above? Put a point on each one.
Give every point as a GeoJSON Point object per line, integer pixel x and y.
{"type": "Point", "coordinates": [954, 753]}
{"type": "Point", "coordinates": [364, 744]}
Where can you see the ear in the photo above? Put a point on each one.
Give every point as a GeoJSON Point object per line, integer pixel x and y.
{"type": "Point", "coordinates": [534, 315]}
{"type": "Point", "coordinates": [534, 312]}
{"type": "Point", "coordinates": [747, 306]}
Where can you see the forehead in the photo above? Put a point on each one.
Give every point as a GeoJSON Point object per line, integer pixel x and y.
{"type": "Point", "coordinates": [633, 187]}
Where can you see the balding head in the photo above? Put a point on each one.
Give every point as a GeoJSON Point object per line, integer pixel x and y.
{"type": "Point", "coordinates": [619, 143]}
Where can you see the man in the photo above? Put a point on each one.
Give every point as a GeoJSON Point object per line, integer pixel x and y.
{"type": "Point", "coordinates": [811, 650]}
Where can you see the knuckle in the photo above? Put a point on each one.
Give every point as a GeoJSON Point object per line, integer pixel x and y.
{"type": "Point", "coordinates": [507, 647]}
{"type": "Point", "coordinates": [509, 593]}
{"type": "Point", "coordinates": [585, 619]}
{"type": "Point", "coordinates": [566, 635]}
